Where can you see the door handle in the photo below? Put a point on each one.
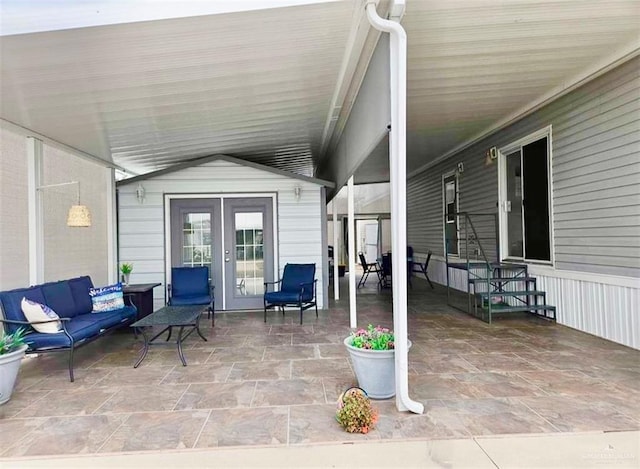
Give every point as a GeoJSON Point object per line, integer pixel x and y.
{"type": "Point", "coordinates": [507, 206]}
{"type": "Point", "coordinates": [226, 259]}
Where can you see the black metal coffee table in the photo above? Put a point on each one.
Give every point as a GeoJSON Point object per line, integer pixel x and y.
{"type": "Point", "coordinates": [171, 316]}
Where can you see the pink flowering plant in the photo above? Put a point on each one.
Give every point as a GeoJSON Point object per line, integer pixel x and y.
{"type": "Point", "coordinates": [373, 338]}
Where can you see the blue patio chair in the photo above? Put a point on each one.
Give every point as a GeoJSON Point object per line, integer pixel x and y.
{"type": "Point", "coordinates": [297, 288]}
{"type": "Point", "coordinates": [191, 286]}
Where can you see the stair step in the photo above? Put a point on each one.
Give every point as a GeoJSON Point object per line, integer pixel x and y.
{"type": "Point", "coordinates": [512, 293]}
{"type": "Point", "coordinates": [481, 265]}
{"type": "Point", "coordinates": [463, 265]}
{"type": "Point", "coordinates": [503, 279]}
{"type": "Point", "coordinates": [512, 309]}
{"type": "Point", "coordinates": [508, 265]}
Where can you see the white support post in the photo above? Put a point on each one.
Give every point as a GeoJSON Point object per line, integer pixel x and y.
{"type": "Point", "coordinates": [112, 242]}
{"type": "Point", "coordinates": [353, 317]}
{"type": "Point", "coordinates": [36, 244]}
{"type": "Point", "coordinates": [398, 180]}
{"type": "Point", "coordinates": [336, 250]}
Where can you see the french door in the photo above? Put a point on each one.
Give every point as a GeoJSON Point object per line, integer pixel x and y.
{"type": "Point", "coordinates": [525, 211]}
{"type": "Point", "coordinates": [248, 251]}
{"type": "Point", "coordinates": [231, 236]}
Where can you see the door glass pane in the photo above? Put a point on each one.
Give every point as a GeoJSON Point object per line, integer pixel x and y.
{"type": "Point", "coordinates": [196, 239]}
{"type": "Point", "coordinates": [514, 205]}
{"type": "Point", "coordinates": [536, 201]}
{"type": "Point", "coordinates": [249, 254]}
{"type": "Point", "coordinates": [451, 225]}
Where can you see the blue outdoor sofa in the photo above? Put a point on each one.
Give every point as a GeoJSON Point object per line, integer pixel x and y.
{"type": "Point", "coordinates": [71, 301]}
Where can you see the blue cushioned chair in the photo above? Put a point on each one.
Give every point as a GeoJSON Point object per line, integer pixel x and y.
{"type": "Point", "coordinates": [297, 288]}
{"type": "Point", "coordinates": [191, 286]}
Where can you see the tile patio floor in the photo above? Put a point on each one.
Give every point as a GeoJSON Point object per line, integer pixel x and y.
{"type": "Point", "coordinates": [276, 384]}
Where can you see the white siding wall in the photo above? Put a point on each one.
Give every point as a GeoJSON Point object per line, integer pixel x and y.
{"type": "Point", "coordinates": [70, 252]}
{"type": "Point", "coordinates": [14, 227]}
{"type": "Point", "coordinates": [67, 252]}
{"type": "Point", "coordinates": [602, 309]}
{"type": "Point", "coordinates": [142, 227]}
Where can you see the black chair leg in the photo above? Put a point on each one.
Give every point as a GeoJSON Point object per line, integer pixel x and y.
{"type": "Point", "coordinates": [71, 378]}
{"type": "Point", "coordinates": [429, 280]}
{"type": "Point", "coordinates": [363, 279]}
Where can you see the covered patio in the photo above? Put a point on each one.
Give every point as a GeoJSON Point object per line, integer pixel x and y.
{"type": "Point", "coordinates": [276, 384]}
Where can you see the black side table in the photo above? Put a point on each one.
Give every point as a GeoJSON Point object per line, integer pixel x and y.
{"type": "Point", "coordinates": [141, 295]}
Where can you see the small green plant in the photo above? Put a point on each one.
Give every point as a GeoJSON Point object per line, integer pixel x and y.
{"type": "Point", "coordinates": [355, 412]}
{"type": "Point", "coordinates": [126, 268]}
{"type": "Point", "coordinates": [12, 342]}
{"type": "Point", "coordinates": [373, 338]}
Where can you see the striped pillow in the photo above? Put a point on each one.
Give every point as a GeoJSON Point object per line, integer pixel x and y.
{"type": "Point", "coordinates": [109, 298]}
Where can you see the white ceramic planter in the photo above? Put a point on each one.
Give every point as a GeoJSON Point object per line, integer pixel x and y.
{"type": "Point", "coordinates": [9, 368]}
{"type": "Point", "coordinates": [375, 370]}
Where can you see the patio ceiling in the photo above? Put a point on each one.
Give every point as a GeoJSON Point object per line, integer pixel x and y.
{"type": "Point", "coordinates": [258, 85]}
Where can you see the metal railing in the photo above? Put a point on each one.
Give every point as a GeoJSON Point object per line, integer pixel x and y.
{"type": "Point", "coordinates": [470, 236]}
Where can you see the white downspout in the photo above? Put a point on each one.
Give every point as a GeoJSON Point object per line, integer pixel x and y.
{"type": "Point", "coordinates": [398, 180]}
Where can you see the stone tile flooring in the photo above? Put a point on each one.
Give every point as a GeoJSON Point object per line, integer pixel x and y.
{"type": "Point", "coordinates": [277, 383]}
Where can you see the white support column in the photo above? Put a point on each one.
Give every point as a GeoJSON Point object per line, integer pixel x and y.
{"type": "Point", "coordinates": [36, 244]}
{"type": "Point", "coordinates": [398, 180]}
{"type": "Point", "coordinates": [353, 317]}
{"type": "Point", "coordinates": [336, 251]}
{"type": "Point", "coordinates": [112, 241]}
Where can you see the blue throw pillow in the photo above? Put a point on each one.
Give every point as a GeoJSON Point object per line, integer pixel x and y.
{"type": "Point", "coordinates": [107, 298]}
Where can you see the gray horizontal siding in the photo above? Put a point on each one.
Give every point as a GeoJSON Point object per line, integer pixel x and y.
{"type": "Point", "coordinates": [595, 174]}
{"type": "Point", "coordinates": [477, 195]}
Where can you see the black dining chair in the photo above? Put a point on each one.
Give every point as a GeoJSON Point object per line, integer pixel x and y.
{"type": "Point", "coordinates": [367, 268]}
{"type": "Point", "coordinates": [423, 268]}
{"type": "Point", "coordinates": [385, 271]}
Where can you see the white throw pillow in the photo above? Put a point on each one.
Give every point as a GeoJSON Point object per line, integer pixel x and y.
{"type": "Point", "coordinates": [36, 312]}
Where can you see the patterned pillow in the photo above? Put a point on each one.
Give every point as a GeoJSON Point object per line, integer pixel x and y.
{"type": "Point", "coordinates": [36, 312]}
{"type": "Point", "coordinates": [107, 298]}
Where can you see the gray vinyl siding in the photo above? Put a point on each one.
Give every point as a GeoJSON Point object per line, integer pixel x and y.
{"type": "Point", "coordinates": [595, 175]}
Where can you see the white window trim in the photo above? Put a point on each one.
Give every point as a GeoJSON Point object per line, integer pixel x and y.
{"type": "Point", "coordinates": [502, 192]}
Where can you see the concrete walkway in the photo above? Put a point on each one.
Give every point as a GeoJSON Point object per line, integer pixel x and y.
{"type": "Point", "coordinates": [573, 450]}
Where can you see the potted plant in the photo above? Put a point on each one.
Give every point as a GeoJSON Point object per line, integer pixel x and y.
{"type": "Point", "coordinates": [12, 350]}
{"type": "Point", "coordinates": [355, 412]}
{"type": "Point", "coordinates": [372, 353]}
{"type": "Point", "coordinates": [126, 268]}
